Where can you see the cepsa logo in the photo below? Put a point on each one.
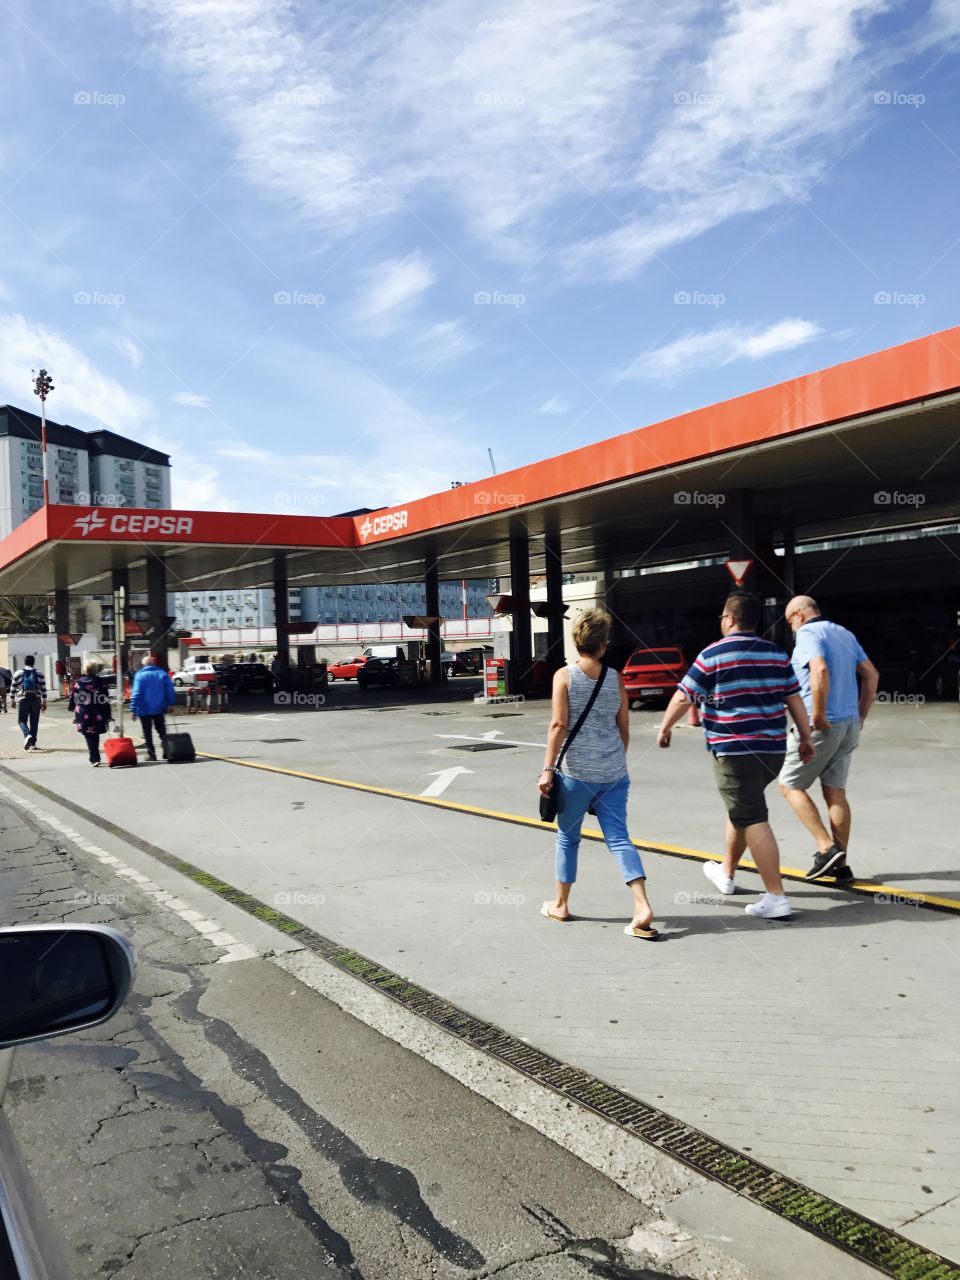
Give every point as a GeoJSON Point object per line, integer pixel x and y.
{"type": "Point", "coordinates": [128, 522]}
{"type": "Point", "coordinates": [393, 522]}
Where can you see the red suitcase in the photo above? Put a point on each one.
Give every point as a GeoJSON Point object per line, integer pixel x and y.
{"type": "Point", "coordinates": [119, 752]}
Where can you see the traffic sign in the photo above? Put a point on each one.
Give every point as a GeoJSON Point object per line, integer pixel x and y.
{"type": "Point", "coordinates": [739, 570]}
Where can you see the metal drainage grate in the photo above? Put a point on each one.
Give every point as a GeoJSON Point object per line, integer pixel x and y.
{"type": "Point", "coordinates": [503, 715]}
{"type": "Point", "coordinates": [272, 740]}
{"type": "Point", "coordinates": [483, 746]}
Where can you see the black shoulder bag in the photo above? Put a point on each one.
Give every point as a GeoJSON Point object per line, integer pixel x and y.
{"type": "Point", "coordinates": [549, 805]}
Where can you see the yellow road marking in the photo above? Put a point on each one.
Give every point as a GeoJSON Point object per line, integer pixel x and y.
{"type": "Point", "coordinates": [882, 892]}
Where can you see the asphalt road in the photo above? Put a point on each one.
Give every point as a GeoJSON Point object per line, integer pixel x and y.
{"type": "Point", "coordinates": [232, 1122]}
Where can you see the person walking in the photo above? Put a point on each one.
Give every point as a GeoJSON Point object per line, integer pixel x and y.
{"type": "Point", "coordinates": [594, 774]}
{"type": "Point", "coordinates": [151, 696]}
{"type": "Point", "coordinates": [30, 695]}
{"type": "Point", "coordinates": [742, 683]}
{"type": "Point", "coordinates": [827, 660]}
{"type": "Point", "coordinates": [90, 703]}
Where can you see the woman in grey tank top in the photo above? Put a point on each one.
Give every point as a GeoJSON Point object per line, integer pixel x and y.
{"type": "Point", "coordinates": [593, 776]}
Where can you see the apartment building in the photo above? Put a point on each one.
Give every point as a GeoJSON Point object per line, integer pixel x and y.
{"type": "Point", "coordinates": [85, 468]}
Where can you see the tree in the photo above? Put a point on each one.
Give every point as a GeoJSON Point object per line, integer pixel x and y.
{"type": "Point", "coordinates": [24, 615]}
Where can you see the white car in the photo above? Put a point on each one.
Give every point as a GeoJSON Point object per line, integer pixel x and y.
{"type": "Point", "coordinates": [199, 673]}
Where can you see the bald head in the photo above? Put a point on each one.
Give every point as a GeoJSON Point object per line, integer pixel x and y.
{"type": "Point", "coordinates": [801, 609]}
{"type": "Point", "coordinates": [150, 660]}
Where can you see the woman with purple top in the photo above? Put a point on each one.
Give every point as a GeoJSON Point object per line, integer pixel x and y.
{"type": "Point", "coordinates": [90, 703]}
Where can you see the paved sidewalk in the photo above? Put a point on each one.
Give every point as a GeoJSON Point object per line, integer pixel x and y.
{"type": "Point", "coordinates": [825, 1047]}
{"type": "Point", "coordinates": [229, 1122]}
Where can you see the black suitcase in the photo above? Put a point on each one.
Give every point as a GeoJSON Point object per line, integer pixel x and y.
{"type": "Point", "coordinates": [178, 748]}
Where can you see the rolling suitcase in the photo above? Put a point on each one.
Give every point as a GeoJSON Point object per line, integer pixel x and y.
{"type": "Point", "coordinates": [178, 748]}
{"type": "Point", "coordinates": [120, 752]}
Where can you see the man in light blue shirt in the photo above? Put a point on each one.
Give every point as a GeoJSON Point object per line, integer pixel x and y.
{"type": "Point", "coordinates": [827, 659]}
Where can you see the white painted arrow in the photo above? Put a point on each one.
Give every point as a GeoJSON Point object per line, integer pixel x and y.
{"type": "Point", "coordinates": [491, 734]}
{"type": "Point", "coordinates": [443, 779]}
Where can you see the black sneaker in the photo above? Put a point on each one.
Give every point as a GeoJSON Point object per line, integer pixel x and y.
{"type": "Point", "coordinates": [151, 755]}
{"type": "Point", "coordinates": [843, 874]}
{"type": "Point", "coordinates": [825, 864]}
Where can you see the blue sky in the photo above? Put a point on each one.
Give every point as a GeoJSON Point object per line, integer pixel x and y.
{"type": "Point", "coordinates": [328, 255]}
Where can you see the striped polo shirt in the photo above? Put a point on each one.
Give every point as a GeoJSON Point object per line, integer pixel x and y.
{"type": "Point", "coordinates": [741, 684]}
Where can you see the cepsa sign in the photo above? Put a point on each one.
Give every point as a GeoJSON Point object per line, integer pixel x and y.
{"type": "Point", "coordinates": [132, 522]}
{"type": "Point", "coordinates": [392, 522]}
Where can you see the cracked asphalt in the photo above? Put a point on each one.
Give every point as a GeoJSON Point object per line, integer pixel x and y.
{"type": "Point", "coordinates": [232, 1122]}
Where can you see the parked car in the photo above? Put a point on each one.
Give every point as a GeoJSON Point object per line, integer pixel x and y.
{"type": "Point", "coordinates": [199, 673]}
{"type": "Point", "coordinates": [379, 671]}
{"type": "Point", "coordinates": [345, 668]}
{"type": "Point", "coordinates": [387, 651]}
{"type": "Point", "coordinates": [474, 659]}
{"type": "Point", "coordinates": [462, 665]}
{"type": "Point", "coordinates": [653, 674]}
{"type": "Point", "coordinates": [57, 979]}
{"type": "Point", "coordinates": [247, 677]}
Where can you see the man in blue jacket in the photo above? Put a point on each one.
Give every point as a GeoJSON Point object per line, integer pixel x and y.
{"type": "Point", "coordinates": [151, 695]}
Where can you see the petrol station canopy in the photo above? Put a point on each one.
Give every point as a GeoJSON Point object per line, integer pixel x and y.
{"type": "Point", "coordinates": [817, 453]}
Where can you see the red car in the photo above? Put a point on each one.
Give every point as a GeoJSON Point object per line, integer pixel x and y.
{"type": "Point", "coordinates": [653, 673]}
{"type": "Point", "coordinates": [345, 669]}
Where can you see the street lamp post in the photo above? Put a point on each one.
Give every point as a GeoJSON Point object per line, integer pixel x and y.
{"type": "Point", "coordinates": [42, 388]}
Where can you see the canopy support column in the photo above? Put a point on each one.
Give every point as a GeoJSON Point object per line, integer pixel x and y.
{"type": "Point", "coordinates": [522, 643]}
{"type": "Point", "coordinates": [281, 606]}
{"type": "Point", "coordinates": [431, 578]}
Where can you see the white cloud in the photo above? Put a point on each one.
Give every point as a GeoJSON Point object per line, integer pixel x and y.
{"type": "Point", "coordinates": [391, 289]}
{"type": "Point", "coordinates": [749, 129]}
{"type": "Point", "coordinates": [505, 110]}
{"type": "Point", "coordinates": [198, 488]}
{"type": "Point", "coordinates": [554, 405]}
{"type": "Point", "coordinates": [548, 132]}
{"type": "Point", "coordinates": [243, 452]}
{"type": "Point", "coordinates": [129, 350]}
{"type": "Point", "coordinates": [272, 89]}
{"type": "Point", "coordinates": [190, 399]}
{"type": "Point", "coordinates": [81, 390]}
{"type": "Point", "coordinates": [722, 346]}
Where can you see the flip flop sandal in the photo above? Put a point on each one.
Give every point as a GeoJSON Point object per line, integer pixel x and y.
{"type": "Point", "coordinates": [545, 911]}
{"type": "Point", "coordinates": [645, 935]}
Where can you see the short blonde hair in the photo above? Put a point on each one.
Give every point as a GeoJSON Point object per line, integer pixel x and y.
{"type": "Point", "coordinates": [591, 631]}
{"type": "Point", "coordinates": [91, 667]}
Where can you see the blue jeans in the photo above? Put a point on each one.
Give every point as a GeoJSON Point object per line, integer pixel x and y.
{"type": "Point", "coordinates": [28, 716]}
{"type": "Point", "coordinates": [609, 799]}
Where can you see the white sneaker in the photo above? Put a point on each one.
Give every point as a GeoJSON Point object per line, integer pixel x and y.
{"type": "Point", "coordinates": [714, 873]}
{"type": "Point", "coordinates": [772, 906]}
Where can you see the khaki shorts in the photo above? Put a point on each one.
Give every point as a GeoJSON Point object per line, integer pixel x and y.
{"type": "Point", "coordinates": [831, 764]}
{"type": "Point", "coordinates": [741, 781]}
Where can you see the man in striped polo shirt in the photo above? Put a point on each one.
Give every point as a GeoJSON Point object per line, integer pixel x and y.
{"type": "Point", "coordinates": [742, 685]}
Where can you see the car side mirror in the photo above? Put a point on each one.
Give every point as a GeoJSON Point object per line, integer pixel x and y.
{"type": "Point", "coordinates": [60, 978]}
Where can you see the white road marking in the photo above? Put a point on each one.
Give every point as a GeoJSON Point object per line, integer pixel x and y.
{"type": "Point", "coordinates": [210, 929]}
{"type": "Point", "coordinates": [443, 779]}
{"type": "Point", "coordinates": [506, 742]}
